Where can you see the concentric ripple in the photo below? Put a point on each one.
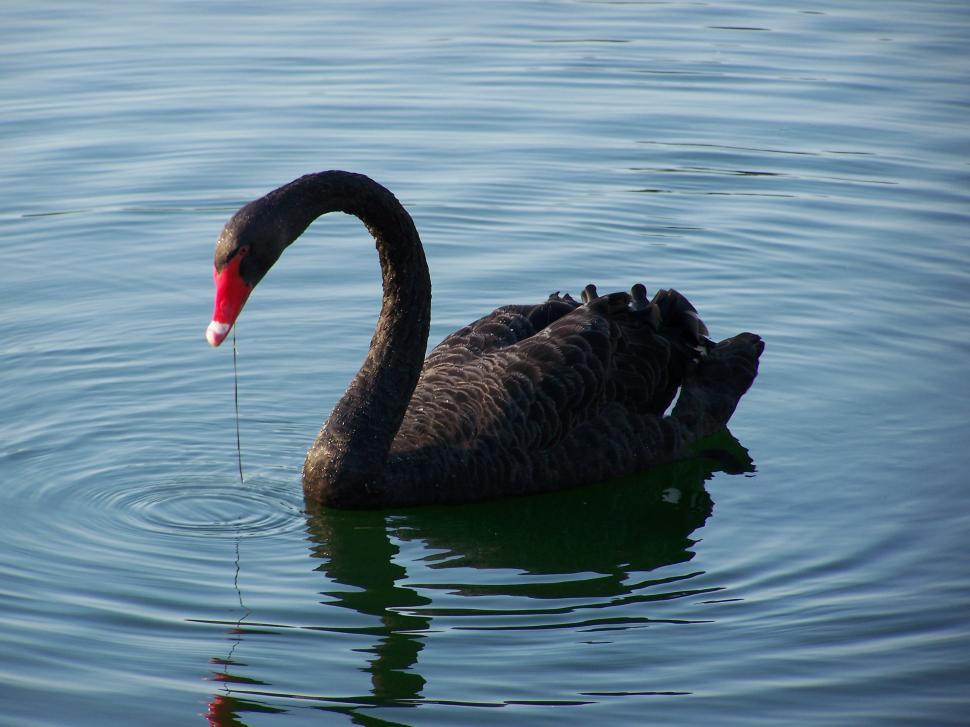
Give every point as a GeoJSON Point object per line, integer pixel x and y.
{"type": "Point", "coordinates": [206, 510]}
{"type": "Point", "coordinates": [198, 507]}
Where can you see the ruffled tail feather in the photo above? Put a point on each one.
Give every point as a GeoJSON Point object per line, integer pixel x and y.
{"type": "Point", "coordinates": [712, 390]}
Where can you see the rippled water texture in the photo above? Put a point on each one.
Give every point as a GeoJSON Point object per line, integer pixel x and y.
{"type": "Point", "coordinates": [801, 171]}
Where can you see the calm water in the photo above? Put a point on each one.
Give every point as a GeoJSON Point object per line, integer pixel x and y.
{"type": "Point", "coordinates": [802, 171]}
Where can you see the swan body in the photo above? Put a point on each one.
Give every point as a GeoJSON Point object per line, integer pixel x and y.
{"type": "Point", "coordinates": [529, 398]}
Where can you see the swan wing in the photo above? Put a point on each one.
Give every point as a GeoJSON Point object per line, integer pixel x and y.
{"type": "Point", "coordinates": [521, 378]}
{"type": "Point", "coordinates": [502, 327]}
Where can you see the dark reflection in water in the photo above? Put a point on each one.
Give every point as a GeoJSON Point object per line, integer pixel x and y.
{"type": "Point", "coordinates": [594, 536]}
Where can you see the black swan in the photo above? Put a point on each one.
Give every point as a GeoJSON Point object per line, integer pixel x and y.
{"type": "Point", "coordinates": [530, 398]}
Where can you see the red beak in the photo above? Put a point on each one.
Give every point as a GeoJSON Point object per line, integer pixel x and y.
{"type": "Point", "coordinates": [231, 294]}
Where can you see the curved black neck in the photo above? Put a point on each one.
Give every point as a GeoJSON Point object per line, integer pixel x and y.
{"type": "Point", "coordinates": [346, 462]}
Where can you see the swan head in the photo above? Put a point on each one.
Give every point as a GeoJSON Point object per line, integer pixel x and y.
{"type": "Point", "coordinates": [255, 237]}
{"type": "Point", "coordinates": [250, 243]}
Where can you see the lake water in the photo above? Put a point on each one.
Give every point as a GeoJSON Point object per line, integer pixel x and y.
{"type": "Point", "coordinates": [799, 170]}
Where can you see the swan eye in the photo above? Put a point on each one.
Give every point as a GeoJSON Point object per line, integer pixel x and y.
{"type": "Point", "coordinates": [241, 252]}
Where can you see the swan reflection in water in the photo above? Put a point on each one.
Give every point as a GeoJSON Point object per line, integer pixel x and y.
{"type": "Point", "coordinates": [596, 537]}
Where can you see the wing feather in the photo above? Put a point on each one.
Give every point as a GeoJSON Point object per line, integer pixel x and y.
{"type": "Point", "coordinates": [526, 383]}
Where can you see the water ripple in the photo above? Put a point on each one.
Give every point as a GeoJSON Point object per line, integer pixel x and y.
{"type": "Point", "coordinates": [212, 510]}
{"type": "Point", "coordinates": [197, 507]}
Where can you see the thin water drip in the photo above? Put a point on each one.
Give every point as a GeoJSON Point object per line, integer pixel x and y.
{"type": "Point", "coordinates": [222, 704]}
{"type": "Point", "coordinates": [235, 398]}
{"type": "Point", "coordinates": [244, 611]}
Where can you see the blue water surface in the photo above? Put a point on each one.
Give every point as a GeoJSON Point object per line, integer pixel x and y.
{"type": "Point", "coordinates": [802, 171]}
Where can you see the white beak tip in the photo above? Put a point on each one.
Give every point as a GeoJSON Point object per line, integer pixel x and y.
{"type": "Point", "coordinates": [216, 332]}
